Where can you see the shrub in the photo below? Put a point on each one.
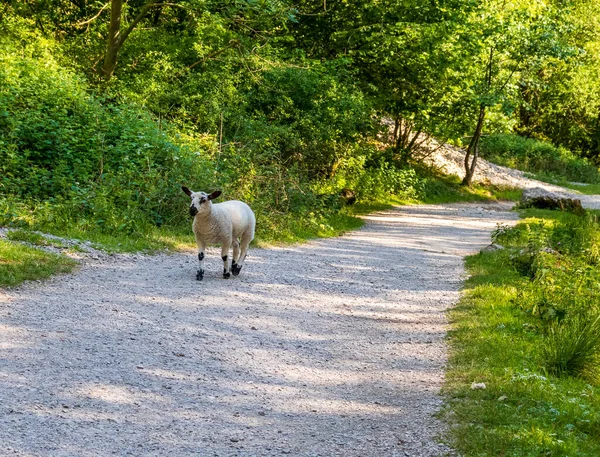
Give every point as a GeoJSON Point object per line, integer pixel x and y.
{"type": "Point", "coordinates": [558, 255]}
{"type": "Point", "coordinates": [69, 157]}
{"type": "Point", "coordinates": [386, 180]}
{"type": "Point", "coordinates": [303, 117]}
{"type": "Point", "coordinates": [537, 157]}
{"type": "Point", "coordinates": [572, 346]}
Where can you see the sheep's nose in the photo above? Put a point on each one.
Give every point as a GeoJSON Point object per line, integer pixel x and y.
{"type": "Point", "coordinates": [193, 211]}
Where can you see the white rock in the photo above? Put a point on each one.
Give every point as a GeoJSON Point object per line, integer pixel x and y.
{"type": "Point", "coordinates": [492, 248]}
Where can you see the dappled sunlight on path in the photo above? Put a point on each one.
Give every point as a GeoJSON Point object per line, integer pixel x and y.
{"type": "Point", "coordinates": [334, 347]}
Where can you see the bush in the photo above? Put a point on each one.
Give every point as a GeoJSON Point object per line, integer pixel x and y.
{"type": "Point", "coordinates": [68, 157]}
{"type": "Point", "coordinates": [386, 180]}
{"type": "Point", "coordinates": [537, 157]}
{"type": "Point", "coordinates": [572, 347]}
{"type": "Point", "coordinates": [302, 117]}
{"type": "Point", "coordinates": [559, 254]}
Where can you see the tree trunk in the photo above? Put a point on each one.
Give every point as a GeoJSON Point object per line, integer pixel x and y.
{"type": "Point", "coordinates": [114, 39]}
{"type": "Point", "coordinates": [473, 149]}
{"type": "Point", "coordinates": [397, 122]}
{"type": "Point", "coordinates": [116, 36]}
{"type": "Point", "coordinates": [156, 16]}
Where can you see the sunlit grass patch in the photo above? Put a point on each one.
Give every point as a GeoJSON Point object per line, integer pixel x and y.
{"type": "Point", "coordinates": [590, 189]}
{"type": "Point", "coordinates": [19, 263]}
{"type": "Point", "coordinates": [28, 237]}
{"type": "Point", "coordinates": [584, 188]}
{"type": "Point", "coordinates": [448, 189]}
{"type": "Point", "coordinates": [518, 334]}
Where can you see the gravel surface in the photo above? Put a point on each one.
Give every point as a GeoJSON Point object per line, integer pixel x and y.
{"type": "Point", "coordinates": [331, 348]}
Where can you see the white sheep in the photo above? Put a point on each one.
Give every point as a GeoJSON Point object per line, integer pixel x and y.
{"type": "Point", "coordinates": [221, 223]}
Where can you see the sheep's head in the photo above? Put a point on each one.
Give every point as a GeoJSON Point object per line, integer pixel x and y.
{"type": "Point", "coordinates": [201, 201]}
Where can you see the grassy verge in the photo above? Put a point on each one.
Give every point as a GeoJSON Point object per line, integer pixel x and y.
{"type": "Point", "coordinates": [19, 263]}
{"type": "Point", "coordinates": [546, 161]}
{"type": "Point", "coordinates": [517, 324]}
{"type": "Point", "coordinates": [276, 229]}
{"type": "Point", "coordinates": [588, 189]}
{"type": "Point", "coordinates": [447, 189]}
{"type": "Point", "coordinates": [591, 189]}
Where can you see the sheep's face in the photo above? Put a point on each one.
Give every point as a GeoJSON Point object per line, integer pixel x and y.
{"type": "Point", "coordinates": [201, 201]}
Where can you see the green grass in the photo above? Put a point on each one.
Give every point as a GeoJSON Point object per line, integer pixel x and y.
{"type": "Point", "coordinates": [590, 189]}
{"type": "Point", "coordinates": [28, 237]}
{"type": "Point", "coordinates": [524, 410]}
{"type": "Point", "coordinates": [543, 159]}
{"type": "Point", "coordinates": [441, 188]}
{"type": "Point", "coordinates": [19, 263]}
{"type": "Point", "coordinates": [276, 229]}
{"type": "Point", "coordinates": [587, 189]}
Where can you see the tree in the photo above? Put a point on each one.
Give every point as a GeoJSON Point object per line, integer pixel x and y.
{"type": "Point", "coordinates": [561, 96]}
{"type": "Point", "coordinates": [116, 36]}
{"type": "Point", "coordinates": [500, 40]}
{"type": "Point", "coordinates": [397, 52]}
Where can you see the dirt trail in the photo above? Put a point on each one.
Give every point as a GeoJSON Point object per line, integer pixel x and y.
{"type": "Point", "coordinates": [449, 159]}
{"type": "Point", "coordinates": [331, 348]}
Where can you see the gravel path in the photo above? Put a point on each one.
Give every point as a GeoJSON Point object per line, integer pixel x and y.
{"type": "Point", "coordinates": [449, 159]}
{"type": "Point", "coordinates": [331, 348]}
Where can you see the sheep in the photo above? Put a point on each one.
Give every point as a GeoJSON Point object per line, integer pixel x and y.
{"type": "Point", "coordinates": [221, 223]}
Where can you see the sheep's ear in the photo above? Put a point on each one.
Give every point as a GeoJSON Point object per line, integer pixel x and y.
{"type": "Point", "coordinates": [214, 195]}
{"type": "Point", "coordinates": [186, 190]}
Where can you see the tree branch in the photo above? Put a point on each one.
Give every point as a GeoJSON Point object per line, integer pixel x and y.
{"type": "Point", "coordinates": [214, 54]}
{"type": "Point", "coordinates": [79, 24]}
{"type": "Point", "coordinates": [508, 79]}
{"type": "Point", "coordinates": [141, 15]}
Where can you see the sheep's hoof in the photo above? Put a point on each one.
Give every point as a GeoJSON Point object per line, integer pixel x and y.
{"type": "Point", "coordinates": [200, 275]}
{"type": "Point", "coordinates": [235, 269]}
{"type": "Point", "coordinates": [226, 274]}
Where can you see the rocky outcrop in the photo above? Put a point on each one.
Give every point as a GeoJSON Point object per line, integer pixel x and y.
{"type": "Point", "coordinates": [537, 197]}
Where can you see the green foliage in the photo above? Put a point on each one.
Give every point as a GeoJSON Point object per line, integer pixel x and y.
{"type": "Point", "coordinates": [560, 99]}
{"type": "Point", "coordinates": [385, 181]}
{"type": "Point", "coordinates": [68, 157]}
{"type": "Point", "coordinates": [20, 263]}
{"type": "Point", "coordinates": [572, 347]}
{"type": "Point", "coordinates": [538, 157]}
{"type": "Point", "coordinates": [306, 118]}
{"type": "Point", "coordinates": [533, 339]}
{"type": "Point", "coordinates": [559, 255]}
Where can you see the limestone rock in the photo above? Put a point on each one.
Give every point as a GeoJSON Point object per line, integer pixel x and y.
{"type": "Point", "coordinates": [492, 247]}
{"type": "Point", "coordinates": [537, 197]}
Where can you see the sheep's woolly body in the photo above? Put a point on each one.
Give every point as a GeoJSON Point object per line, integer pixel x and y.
{"type": "Point", "coordinates": [227, 221]}
{"type": "Point", "coordinates": [223, 223]}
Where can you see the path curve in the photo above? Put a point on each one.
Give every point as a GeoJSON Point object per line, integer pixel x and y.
{"type": "Point", "coordinates": [330, 348]}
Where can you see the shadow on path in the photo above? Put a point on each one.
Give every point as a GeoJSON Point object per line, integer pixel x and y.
{"type": "Point", "coordinates": [330, 348]}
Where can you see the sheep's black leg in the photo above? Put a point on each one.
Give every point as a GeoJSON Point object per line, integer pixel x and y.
{"type": "Point", "coordinates": [201, 248]}
{"type": "Point", "coordinates": [246, 239]}
{"type": "Point", "coordinates": [235, 269]}
{"type": "Point", "coordinates": [224, 252]}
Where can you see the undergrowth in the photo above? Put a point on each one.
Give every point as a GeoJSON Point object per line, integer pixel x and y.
{"type": "Point", "coordinates": [19, 263]}
{"type": "Point", "coordinates": [528, 327]}
{"type": "Point", "coordinates": [545, 161]}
